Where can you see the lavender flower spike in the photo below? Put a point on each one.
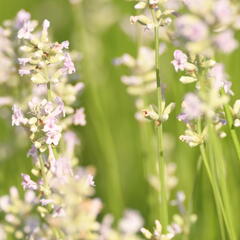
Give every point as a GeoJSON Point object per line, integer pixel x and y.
{"type": "Point", "coordinates": [180, 60]}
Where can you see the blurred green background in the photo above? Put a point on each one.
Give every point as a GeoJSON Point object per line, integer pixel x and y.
{"type": "Point", "coordinates": [112, 140]}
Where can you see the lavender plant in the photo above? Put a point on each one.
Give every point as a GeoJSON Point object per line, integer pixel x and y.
{"type": "Point", "coordinates": [209, 105]}
{"type": "Point", "coordinates": [39, 75]}
{"type": "Point", "coordinates": [58, 201]}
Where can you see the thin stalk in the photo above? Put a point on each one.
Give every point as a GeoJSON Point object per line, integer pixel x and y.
{"type": "Point", "coordinates": [160, 161]}
{"type": "Point", "coordinates": [147, 141]}
{"type": "Point", "coordinates": [232, 130]}
{"type": "Point", "coordinates": [211, 179]}
{"type": "Point", "coordinates": [219, 205]}
{"type": "Point", "coordinates": [217, 194]}
{"type": "Point", "coordinates": [220, 173]}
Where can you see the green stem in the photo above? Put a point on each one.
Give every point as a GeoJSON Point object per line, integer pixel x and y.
{"type": "Point", "coordinates": [160, 161]}
{"type": "Point", "coordinates": [221, 210]}
{"type": "Point", "coordinates": [232, 130]}
{"type": "Point", "coordinates": [220, 175]}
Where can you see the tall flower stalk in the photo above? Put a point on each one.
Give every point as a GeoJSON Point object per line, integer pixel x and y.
{"type": "Point", "coordinates": [159, 128]}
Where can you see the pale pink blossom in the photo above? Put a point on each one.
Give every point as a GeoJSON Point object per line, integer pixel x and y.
{"type": "Point", "coordinates": [50, 125]}
{"type": "Point", "coordinates": [45, 202]}
{"type": "Point", "coordinates": [59, 110]}
{"type": "Point", "coordinates": [221, 78]}
{"type": "Point", "coordinates": [79, 118]}
{"type": "Point", "coordinates": [23, 61]}
{"type": "Point", "coordinates": [33, 152]}
{"type": "Point", "coordinates": [26, 31]}
{"type": "Point", "coordinates": [223, 11]}
{"type": "Point", "coordinates": [22, 17]}
{"type": "Point", "coordinates": [48, 108]}
{"type": "Point", "coordinates": [226, 42]}
{"type": "Point", "coordinates": [46, 25]}
{"type": "Point", "coordinates": [53, 137]}
{"type": "Point", "coordinates": [191, 28]}
{"type": "Point", "coordinates": [65, 44]}
{"type": "Point", "coordinates": [180, 60]}
{"type": "Point", "coordinates": [68, 67]}
{"type": "Point", "coordinates": [17, 116]}
{"type": "Point", "coordinates": [71, 141]}
{"type": "Point", "coordinates": [23, 72]}
{"type": "Point", "coordinates": [27, 183]}
{"type": "Point", "coordinates": [79, 87]}
{"type": "Point", "coordinates": [131, 222]}
{"type": "Point", "coordinates": [192, 108]}
{"type": "Point", "coordinates": [90, 180]}
{"type": "Point", "coordinates": [63, 169]}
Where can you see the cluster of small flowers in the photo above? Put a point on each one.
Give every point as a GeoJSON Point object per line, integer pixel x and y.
{"type": "Point", "coordinates": [141, 82]}
{"type": "Point", "coordinates": [163, 18]}
{"type": "Point", "coordinates": [157, 234]}
{"type": "Point", "coordinates": [212, 92]}
{"type": "Point", "coordinates": [45, 213]}
{"type": "Point", "coordinates": [201, 26]}
{"type": "Point", "coordinates": [184, 219]}
{"type": "Point", "coordinates": [9, 54]}
{"type": "Point", "coordinates": [59, 201]}
{"type": "Point", "coordinates": [206, 26]}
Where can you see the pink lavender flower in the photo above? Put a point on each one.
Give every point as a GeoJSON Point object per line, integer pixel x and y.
{"type": "Point", "coordinates": [27, 183]}
{"type": "Point", "coordinates": [53, 137]}
{"type": "Point", "coordinates": [180, 60]}
{"type": "Point", "coordinates": [191, 28]}
{"type": "Point", "coordinates": [68, 65]}
{"type": "Point", "coordinates": [26, 31]}
{"type": "Point", "coordinates": [79, 87]}
{"type": "Point", "coordinates": [79, 117]}
{"type": "Point", "coordinates": [50, 125]}
{"type": "Point", "coordinates": [71, 140]}
{"type": "Point", "coordinates": [131, 222]}
{"type": "Point", "coordinates": [65, 44]}
{"type": "Point", "coordinates": [46, 25]}
{"type": "Point", "coordinates": [24, 61]}
{"type": "Point", "coordinates": [192, 108]}
{"type": "Point", "coordinates": [45, 202]}
{"type": "Point", "coordinates": [21, 18]}
{"type": "Point", "coordinates": [33, 153]}
{"type": "Point", "coordinates": [60, 110]}
{"type": "Point", "coordinates": [23, 72]}
{"type": "Point", "coordinates": [48, 108]}
{"type": "Point", "coordinates": [223, 11]}
{"type": "Point", "coordinates": [226, 42]}
{"type": "Point", "coordinates": [90, 180]}
{"type": "Point", "coordinates": [17, 116]}
{"type": "Point", "coordinates": [220, 76]}
{"type": "Point", "coordinates": [62, 169]}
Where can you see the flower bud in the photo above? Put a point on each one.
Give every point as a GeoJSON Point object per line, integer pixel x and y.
{"type": "Point", "coordinates": [150, 114]}
{"type": "Point", "coordinates": [140, 5]}
{"type": "Point", "coordinates": [187, 79]}
{"type": "Point", "coordinates": [141, 19]}
{"type": "Point", "coordinates": [147, 234]}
